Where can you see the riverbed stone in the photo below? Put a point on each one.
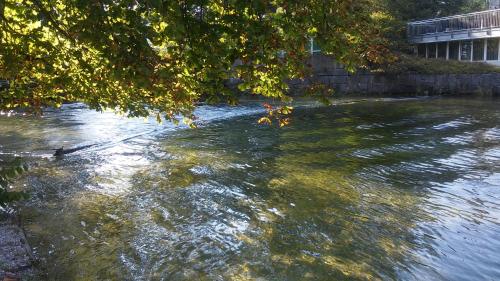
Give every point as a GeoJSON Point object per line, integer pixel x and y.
{"type": "Point", "coordinates": [16, 258]}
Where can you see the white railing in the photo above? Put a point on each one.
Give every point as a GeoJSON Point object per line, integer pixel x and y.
{"type": "Point", "coordinates": [479, 20]}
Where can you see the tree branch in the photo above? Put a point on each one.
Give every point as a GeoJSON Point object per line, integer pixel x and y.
{"type": "Point", "coordinates": [53, 22]}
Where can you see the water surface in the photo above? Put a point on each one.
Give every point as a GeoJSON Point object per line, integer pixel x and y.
{"type": "Point", "coordinates": [371, 190]}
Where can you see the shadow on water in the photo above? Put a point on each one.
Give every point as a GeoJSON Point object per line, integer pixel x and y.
{"type": "Point", "coordinates": [373, 190]}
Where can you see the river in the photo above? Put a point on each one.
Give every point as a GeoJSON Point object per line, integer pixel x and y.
{"type": "Point", "coordinates": [370, 190]}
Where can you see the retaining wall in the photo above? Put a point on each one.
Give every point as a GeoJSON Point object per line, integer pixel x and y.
{"type": "Point", "coordinates": [332, 74]}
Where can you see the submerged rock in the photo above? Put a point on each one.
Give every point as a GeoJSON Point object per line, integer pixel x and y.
{"type": "Point", "coordinates": [16, 258]}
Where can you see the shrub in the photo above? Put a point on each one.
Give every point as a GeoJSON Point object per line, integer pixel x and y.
{"type": "Point", "coordinates": [408, 63]}
{"type": "Point", "coordinates": [8, 172]}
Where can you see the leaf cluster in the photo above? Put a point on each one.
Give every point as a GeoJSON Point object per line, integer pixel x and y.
{"type": "Point", "coordinates": [8, 172]}
{"type": "Point", "coordinates": [278, 114]}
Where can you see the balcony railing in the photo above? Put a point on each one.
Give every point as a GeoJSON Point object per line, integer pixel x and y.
{"type": "Point", "coordinates": [473, 21]}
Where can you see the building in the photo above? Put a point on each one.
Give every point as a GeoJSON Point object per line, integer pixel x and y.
{"type": "Point", "coordinates": [467, 37]}
{"type": "Point", "coordinates": [494, 4]}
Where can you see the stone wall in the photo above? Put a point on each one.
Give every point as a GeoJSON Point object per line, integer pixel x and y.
{"type": "Point", "coordinates": [334, 75]}
{"type": "Point", "coordinates": [16, 258]}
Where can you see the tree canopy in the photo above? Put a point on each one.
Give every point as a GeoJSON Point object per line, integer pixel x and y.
{"type": "Point", "coordinates": [424, 9]}
{"type": "Point", "coordinates": [156, 56]}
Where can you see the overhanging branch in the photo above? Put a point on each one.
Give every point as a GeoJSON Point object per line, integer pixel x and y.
{"type": "Point", "coordinates": [53, 22]}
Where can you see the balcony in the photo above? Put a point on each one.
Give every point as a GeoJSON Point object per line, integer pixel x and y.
{"type": "Point", "coordinates": [485, 24]}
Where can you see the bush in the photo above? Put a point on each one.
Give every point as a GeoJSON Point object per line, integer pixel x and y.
{"type": "Point", "coordinates": [408, 63]}
{"type": "Point", "coordinates": [8, 172]}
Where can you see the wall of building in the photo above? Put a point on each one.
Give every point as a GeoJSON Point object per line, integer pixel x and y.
{"type": "Point", "coordinates": [332, 74]}
{"type": "Point", "coordinates": [494, 4]}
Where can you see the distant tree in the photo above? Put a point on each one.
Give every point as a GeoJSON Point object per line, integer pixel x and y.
{"type": "Point", "coordinates": [143, 56]}
{"type": "Point", "coordinates": [423, 9]}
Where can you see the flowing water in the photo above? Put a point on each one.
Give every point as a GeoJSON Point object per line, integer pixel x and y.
{"type": "Point", "coordinates": [369, 190]}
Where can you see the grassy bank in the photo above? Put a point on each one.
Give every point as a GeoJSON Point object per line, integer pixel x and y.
{"type": "Point", "coordinates": [407, 63]}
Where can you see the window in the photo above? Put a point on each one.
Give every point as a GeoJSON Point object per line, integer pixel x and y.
{"type": "Point", "coordinates": [313, 46]}
{"type": "Point", "coordinates": [431, 50]}
{"type": "Point", "coordinates": [492, 49]}
{"type": "Point", "coordinates": [421, 50]}
{"type": "Point", "coordinates": [465, 50]}
{"type": "Point", "coordinates": [478, 50]}
{"type": "Point", "coordinates": [441, 49]}
{"type": "Point", "coordinates": [454, 50]}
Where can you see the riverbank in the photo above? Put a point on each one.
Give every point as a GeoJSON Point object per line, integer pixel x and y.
{"type": "Point", "coordinates": [403, 81]}
{"type": "Point", "coordinates": [16, 257]}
